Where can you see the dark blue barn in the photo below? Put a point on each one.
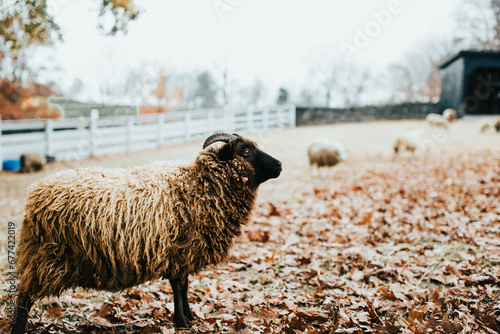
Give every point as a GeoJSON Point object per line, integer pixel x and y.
{"type": "Point", "coordinates": [471, 83]}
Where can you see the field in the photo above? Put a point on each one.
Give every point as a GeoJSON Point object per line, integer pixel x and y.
{"type": "Point", "coordinates": [380, 245]}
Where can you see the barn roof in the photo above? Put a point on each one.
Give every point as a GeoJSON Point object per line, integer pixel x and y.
{"type": "Point", "coordinates": [470, 54]}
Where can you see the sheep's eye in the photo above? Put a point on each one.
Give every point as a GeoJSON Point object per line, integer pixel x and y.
{"type": "Point", "coordinates": [246, 152]}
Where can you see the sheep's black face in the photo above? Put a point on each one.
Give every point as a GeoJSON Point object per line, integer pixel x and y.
{"type": "Point", "coordinates": [266, 167]}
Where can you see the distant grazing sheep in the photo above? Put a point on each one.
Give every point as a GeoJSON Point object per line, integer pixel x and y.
{"type": "Point", "coordinates": [450, 114]}
{"type": "Point", "coordinates": [408, 141]}
{"type": "Point", "coordinates": [32, 162]}
{"type": "Point", "coordinates": [110, 229]}
{"type": "Point", "coordinates": [323, 152]}
{"type": "Point", "coordinates": [404, 143]}
{"type": "Point", "coordinates": [487, 124]}
{"type": "Point", "coordinates": [436, 120]}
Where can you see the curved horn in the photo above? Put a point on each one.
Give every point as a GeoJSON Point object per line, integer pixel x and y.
{"type": "Point", "coordinates": [225, 137]}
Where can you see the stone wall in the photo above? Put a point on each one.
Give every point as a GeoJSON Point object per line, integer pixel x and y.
{"type": "Point", "coordinates": [316, 116]}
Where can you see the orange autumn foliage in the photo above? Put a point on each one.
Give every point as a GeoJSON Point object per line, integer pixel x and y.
{"type": "Point", "coordinates": [26, 100]}
{"type": "Point", "coordinates": [152, 110]}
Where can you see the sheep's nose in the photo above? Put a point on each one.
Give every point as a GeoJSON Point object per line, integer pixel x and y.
{"type": "Point", "coordinates": [278, 164]}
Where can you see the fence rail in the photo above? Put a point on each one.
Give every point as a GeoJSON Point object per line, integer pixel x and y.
{"type": "Point", "coordinates": [95, 136]}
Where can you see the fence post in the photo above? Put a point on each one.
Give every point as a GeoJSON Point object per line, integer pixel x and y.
{"type": "Point", "coordinates": [130, 126]}
{"type": "Point", "coordinates": [94, 119]}
{"type": "Point", "coordinates": [279, 116]}
{"type": "Point", "coordinates": [1, 157]}
{"type": "Point", "coordinates": [161, 121]}
{"type": "Point", "coordinates": [265, 118]}
{"type": "Point", "coordinates": [250, 120]}
{"type": "Point", "coordinates": [230, 120]}
{"type": "Point", "coordinates": [210, 121]}
{"type": "Point", "coordinates": [293, 115]}
{"type": "Point", "coordinates": [187, 126]}
{"type": "Point", "coordinates": [49, 132]}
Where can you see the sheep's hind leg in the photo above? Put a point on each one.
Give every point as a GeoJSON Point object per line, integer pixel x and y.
{"type": "Point", "coordinates": [185, 303]}
{"type": "Point", "coordinates": [20, 318]}
{"type": "Point", "coordinates": [179, 320]}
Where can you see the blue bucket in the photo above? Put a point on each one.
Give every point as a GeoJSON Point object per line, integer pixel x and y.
{"type": "Point", "coordinates": [11, 164]}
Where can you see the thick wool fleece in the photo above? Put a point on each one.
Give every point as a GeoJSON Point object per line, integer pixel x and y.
{"type": "Point", "coordinates": [110, 229]}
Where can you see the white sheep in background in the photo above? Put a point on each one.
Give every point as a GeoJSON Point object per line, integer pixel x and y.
{"type": "Point", "coordinates": [408, 141]}
{"type": "Point", "coordinates": [450, 114]}
{"type": "Point", "coordinates": [324, 152]}
{"type": "Point", "coordinates": [436, 120]}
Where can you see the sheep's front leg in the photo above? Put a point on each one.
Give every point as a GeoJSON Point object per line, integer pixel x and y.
{"type": "Point", "coordinates": [177, 288]}
{"type": "Point", "coordinates": [24, 303]}
{"type": "Point", "coordinates": [185, 304]}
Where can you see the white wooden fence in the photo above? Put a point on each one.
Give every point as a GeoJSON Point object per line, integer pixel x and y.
{"type": "Point", "coordinates": [79, 138]}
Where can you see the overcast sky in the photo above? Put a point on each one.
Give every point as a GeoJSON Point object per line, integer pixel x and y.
{"type": "Point", "coordinates": [271, 40]}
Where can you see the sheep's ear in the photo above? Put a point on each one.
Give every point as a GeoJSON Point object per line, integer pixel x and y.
{"type": "Point", "coordinates": [226, 152]}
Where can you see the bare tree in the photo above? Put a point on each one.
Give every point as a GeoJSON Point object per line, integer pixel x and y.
{"type": "Point", "coordinates": [205, 93]}
{"type": "Point", "coordinates": [307, 98]}
{"type": "Point", "coordinates": [222, 79]}
{"type": "Point", "coordinates": [325, 72]}
{"type": "Point", "coordinates": [110, 86]}
{"type": "Point", "coordinates": [153, 86]}
{"type": "Point", "coordinates": [256, 93]}
{"type": "Point", "coordinates": [229, 91]}
{"type": "Point", "coordinates": [342, 83]}
{"type": "Point", "coordinates": [75, 89]}
{"type": "Point", "coordinates": [133, 87]}
{"type": "Point", "coordinates": [417, 77]}
{"type": "Point", "coordinates": [403, 83]}
{"type": "Point", "coordinates": [479, 22]}
{"type": "Point", "coordinates": [355, 80]}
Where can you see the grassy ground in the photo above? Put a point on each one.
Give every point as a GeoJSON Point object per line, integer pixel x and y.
{"type": "Point", "coordinates": [375, 237]}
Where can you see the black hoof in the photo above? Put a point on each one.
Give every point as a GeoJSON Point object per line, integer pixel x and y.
{"type": "Point", "coordinates": [189, 316]}
{"type": "Point", "coordinates": [181, 324]}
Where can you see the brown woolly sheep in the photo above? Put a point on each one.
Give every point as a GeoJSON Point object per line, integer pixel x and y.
{"type": "Point", "coordinates": [32, 162]}
{"type": "Point", "coordinates": [110, 229]}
